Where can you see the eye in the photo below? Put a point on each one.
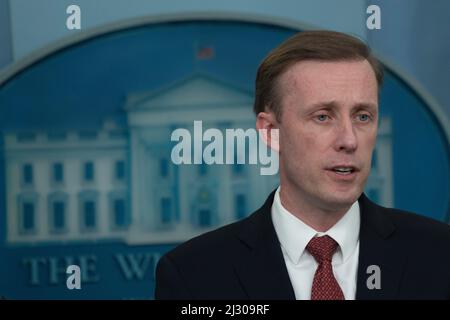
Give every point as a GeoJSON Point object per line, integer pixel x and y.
{"type": "Point", "coordinates": [363, 117]}
{"type": "Point", "coordinates": [322, 117]}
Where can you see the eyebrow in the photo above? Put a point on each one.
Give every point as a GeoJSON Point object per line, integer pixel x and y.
{"type": "Point", "coordinates": [334, 105]}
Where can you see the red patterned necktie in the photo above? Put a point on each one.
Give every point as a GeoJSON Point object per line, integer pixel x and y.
{"type": "Point", "coordinates": [325, 286]}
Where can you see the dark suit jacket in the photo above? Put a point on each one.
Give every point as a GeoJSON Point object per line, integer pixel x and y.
{"type": "Point", "coordinates": [243, 260]}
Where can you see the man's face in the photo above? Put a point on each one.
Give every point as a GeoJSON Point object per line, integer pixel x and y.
{"type": "Point", "coordinates": [328, 130]}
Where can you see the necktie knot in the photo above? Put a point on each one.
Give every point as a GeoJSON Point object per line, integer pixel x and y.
{"type": "Point", "coordinates": [322, 248]}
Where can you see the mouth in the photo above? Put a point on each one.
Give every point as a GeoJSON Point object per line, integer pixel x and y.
{"type": "Point", "coordinates": [343, 172]}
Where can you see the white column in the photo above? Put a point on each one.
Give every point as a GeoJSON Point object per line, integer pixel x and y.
{"type": "Point", "coordinates": [41, 187]}
{"type": "Point", "coordinates": [72, 182]}
{"type": "Point", "coordinates": [13, 190]}
{"type": "Point", "coordinates": [103, 176]}
{"type": "Point", "coordinates": [134, 180]}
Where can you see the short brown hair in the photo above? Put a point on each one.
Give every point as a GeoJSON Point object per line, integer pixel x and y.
{"type": "Point", "coordinates": [307, 45]}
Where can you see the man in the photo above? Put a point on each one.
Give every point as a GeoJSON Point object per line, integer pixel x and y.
{"type": "Point", "coordinates": [317, 236]}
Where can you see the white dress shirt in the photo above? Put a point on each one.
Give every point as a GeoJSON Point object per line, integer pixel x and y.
{"type": "Point", "coordinates": [294, 235]}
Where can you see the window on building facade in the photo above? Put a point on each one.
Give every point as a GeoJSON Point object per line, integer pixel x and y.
{"type": "Point", "coordinates": [58, 206]}
{"type": "Point", "coordinates": [239, 168]}
{"type": "Point", "coordinates": [166, 210]}
{"type": "Point", "coordinates": [164, 167]}
{"type": "Point", "coordinates": [202, 169]}
{"type": "Point", "coordinates": [120, 217]}
{"type": "Point", "coordinates": [56, 136]}
{"type": "Point", "coordinates": [204, 217]}
{"type": "Point", "coordinates": [27, 174]}
{"type": "Point", "coordinates": [59, 216]}
{"type": "Point", "coordinates": [87, 135]}
{"type": "Point", "coordinates": [58, 172]}
{"type": "Point", "coordinates": [28, 212]}
{"type": "Point", "coordinates": [374, 195]}
{"type": "Point", "coordinates": [25, 137]}
{"type": "Point", "coordinates": [240, 204]}
{"type": "Point", "coordinates": [88, 171]}
{"type": "Point", "coordinates": [119, 170]}
{"type": "Point", "coordinates": [88, 214]}
{"type": "Point", "coordinates": [118, 134]}
{"type": "Point", "coordinates": [374, 159]}
{"type": "Point", "coordinates": [88, 210]}
{"type": "Point", "coordinates": [28, 216]}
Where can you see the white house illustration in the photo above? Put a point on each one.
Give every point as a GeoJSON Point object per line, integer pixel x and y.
{"type": "Point", "coordinates": [176, 202]}
{"type": "Point", "coordinates": [120, 183]}
{"type": "Point", "coordinates": [66, 185]}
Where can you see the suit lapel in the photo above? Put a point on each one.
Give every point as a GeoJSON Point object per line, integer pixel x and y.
{"type": "Point", "coordinates": [262, 272]}
{"type": "Point", "coordinates": [378, 249]}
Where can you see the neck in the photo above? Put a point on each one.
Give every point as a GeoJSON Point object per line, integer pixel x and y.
{"type": "Point", "coordinates": [319, 218]}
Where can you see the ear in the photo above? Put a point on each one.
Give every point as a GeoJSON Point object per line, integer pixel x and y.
{"type": "Point", "coordinates": [268, 129]}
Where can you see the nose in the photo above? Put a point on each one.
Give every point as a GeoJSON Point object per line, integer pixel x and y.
{"type": "Point", "coordinates": [346, 139]}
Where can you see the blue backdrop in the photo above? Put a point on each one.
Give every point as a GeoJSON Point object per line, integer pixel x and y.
{"type": "Point", "coordinates": [78, 87]}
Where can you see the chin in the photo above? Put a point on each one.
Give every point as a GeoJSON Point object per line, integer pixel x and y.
{"type": "Point", "coordinates": [339, 198]}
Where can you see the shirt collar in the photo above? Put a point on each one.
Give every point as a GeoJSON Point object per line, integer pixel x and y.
{"type": "Point", "coordinates": [294, 234]}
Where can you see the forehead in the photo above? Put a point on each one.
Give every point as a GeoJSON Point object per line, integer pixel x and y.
{"type": "Point", "coordinates": [330, 80]}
